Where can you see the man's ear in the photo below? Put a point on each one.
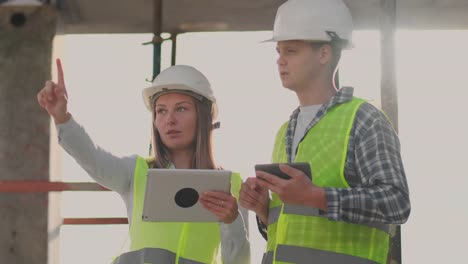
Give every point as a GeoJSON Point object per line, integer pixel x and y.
{"type": "Point", "coordinates": [325, 54]}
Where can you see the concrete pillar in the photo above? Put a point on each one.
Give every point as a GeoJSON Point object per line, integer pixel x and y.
{"type": "Point", "coordinates": [389, 98]}
{"type": "Point", "coordinates": [26, 35]}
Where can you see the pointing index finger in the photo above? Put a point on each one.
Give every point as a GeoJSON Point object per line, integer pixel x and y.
{"type": "Point", "coordinates": [61, 79]}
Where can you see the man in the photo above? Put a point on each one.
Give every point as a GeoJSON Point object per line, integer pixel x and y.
{"type": "Point", "coordinates": [358, 182]}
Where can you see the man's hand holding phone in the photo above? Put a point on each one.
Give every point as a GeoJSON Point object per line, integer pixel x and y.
{"type": "Point", "coordinates": [273, 168]}
{"type": "Point", "coordinates": [298, 189]}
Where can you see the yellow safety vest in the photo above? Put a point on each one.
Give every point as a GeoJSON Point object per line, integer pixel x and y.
{"type": "Point", "coordinates": [299, 234]}
{"type": "Point", "coordinates": [170, 242]}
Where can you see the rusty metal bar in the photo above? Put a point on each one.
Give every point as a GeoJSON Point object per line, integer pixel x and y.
{"type": "Point", "coordinates": [96, 221]}
{"type": "Point", "coordinates": [47, 186]}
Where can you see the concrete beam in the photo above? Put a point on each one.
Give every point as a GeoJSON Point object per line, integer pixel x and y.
{"type": "Point", "coordinates": [179, 16]}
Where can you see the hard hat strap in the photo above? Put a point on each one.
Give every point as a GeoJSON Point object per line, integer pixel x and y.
{"type": "Point", "coordinates": [336, 40]}
{"type": "Point", "coordinates": [216, 125]}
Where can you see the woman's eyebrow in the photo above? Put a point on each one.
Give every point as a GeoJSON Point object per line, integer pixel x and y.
{"type": "Point", "coordinates": [179, 103]}
{"type": "Point", "coordinates": [184, 102]}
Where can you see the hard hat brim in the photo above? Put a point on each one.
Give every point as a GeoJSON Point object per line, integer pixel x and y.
{"type": "Point", "coordinates": [268, 40]}
{"type": "Point", "coordinates": [150, 91]}
{"type": "Point", "coordinates": [350, 44]}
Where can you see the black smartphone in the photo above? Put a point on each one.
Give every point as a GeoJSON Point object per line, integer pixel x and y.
{"type": "Point", "coordinates": [273, 168]}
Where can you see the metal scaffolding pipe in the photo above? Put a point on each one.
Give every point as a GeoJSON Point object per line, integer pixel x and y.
{"type": "Point", "coordinates": [173, 49]}
{"type": "Point", "coordinates": [157, 40]}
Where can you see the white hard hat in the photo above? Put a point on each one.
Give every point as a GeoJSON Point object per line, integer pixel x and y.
{"type": "Point", "coordinates": [314, 20]}
{"type": "Point", "coordinates": [181, 78]}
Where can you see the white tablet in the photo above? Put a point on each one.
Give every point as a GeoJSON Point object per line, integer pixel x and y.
{"type": "Point", "coordinates": [172, 195]}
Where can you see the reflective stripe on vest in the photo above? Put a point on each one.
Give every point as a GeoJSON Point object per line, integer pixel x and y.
{"type": "Point", "coordinates": [305, 229]}
{"type": "Point", "coordinates": [170, 242]}
{"type": "Point", "coordinates": [301, 255]}
{"type": "Point", "coordinates": [274, 214]}
{"type": "Point", "coordinates": [151, 256]}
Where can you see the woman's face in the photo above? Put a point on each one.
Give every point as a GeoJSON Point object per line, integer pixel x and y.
{"type": "Point", "coordinates": [176, 120]}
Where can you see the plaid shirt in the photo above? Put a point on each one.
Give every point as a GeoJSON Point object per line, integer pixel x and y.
{"type": "Point", "coordinates": [378, 190]}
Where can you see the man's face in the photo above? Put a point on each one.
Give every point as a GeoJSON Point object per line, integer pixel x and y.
{"type": "Point", "coordinates": [298, 63]}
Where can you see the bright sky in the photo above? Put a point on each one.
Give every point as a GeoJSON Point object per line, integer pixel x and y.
{"type": "Point", "coordinates": [106, 73]}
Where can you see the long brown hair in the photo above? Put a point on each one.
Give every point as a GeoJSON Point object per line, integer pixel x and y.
{"type": "Point", "coordinates": [203, 154]}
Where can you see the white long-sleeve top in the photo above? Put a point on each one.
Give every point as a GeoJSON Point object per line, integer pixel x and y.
{"type": "Point", "coordinates": [116, 173]}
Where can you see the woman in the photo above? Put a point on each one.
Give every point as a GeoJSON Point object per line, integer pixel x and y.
{"type": "Point", "coordinates": [183, 108]}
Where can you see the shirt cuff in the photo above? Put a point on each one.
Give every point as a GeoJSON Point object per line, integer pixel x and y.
{"type": "Point", "coordinates": [333, 203]}
{"type": "Point", "coordinates": [69, 125]}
